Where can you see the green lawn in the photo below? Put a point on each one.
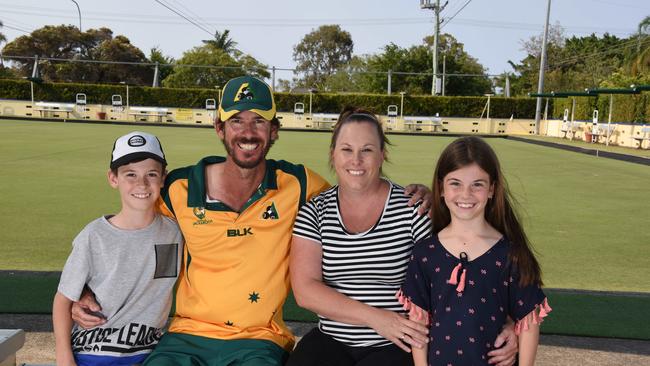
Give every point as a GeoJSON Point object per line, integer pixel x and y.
{"type": "Point", "coordinates": [587, 216]}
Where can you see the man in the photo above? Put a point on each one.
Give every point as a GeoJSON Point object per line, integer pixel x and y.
{"type": "Point", "coordinates": [236, 214]}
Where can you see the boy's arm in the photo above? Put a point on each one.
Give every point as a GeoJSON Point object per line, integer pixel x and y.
{"type": "Point", "coordinates": [62, 323]}
{"type": "Point", "coordinates": [528, 341]}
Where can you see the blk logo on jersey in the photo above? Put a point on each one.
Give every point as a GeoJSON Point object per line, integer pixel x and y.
{"type": "Point", "coordinates": [199, 212]}
{"type": "Point", "coordinates": [271, 213]}
{"type": "Point", "coordinates": [239, 232]}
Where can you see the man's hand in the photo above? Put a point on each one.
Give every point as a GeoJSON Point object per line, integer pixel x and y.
{"type": "Point", "coordinates": [420, 192]}
{"type": "Point", "coordinates": [86, 312]}
{"type": "Point", "coordinates": [506, 354]}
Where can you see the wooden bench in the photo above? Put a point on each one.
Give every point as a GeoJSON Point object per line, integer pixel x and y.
{"type": "Point", "coordinates": [418, 123]}
{"type": "Point", "coordinates": [569, 127]}
{"type": "Point", "coordinates": [48, 107]}
{"type": "Point", "coordinates": [145, 112]}
{"type": "Point", "coordinates": [11, 340]}
{"type": "Point", "coordinates": [606, 131]}
{"type": "Point", "coordinates": [642, 135]}
{"type": "Point", "coordinates": [324, 120]}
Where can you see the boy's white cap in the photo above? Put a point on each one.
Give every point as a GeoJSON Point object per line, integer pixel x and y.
{"type": "Point", "coordinates": [136, 146]}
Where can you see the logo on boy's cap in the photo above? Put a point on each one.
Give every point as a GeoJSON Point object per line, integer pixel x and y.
{"type": "Point", "coordinates": [136, 141]}
{"type": "Point", "coordinates": [136, 146]}
{"type": "Point", "coordinates": [246, 93]}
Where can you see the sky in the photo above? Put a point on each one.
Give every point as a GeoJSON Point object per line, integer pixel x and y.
{"type": "Point", "coordinates": [491, 30]}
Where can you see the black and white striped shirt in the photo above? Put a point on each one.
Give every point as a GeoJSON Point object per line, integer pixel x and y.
{"type": "Point", "coordinates": [369, 266]}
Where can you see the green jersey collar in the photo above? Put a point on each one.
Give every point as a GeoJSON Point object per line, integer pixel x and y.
{"type": "Point", "coordinates": [196, 190]}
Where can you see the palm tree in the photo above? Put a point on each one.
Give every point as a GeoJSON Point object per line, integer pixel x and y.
{"type": "Point", "coordinates": [2, 36]}
{"type": "Point", "coordinates": [222, 41]}
{"type": "Point", "coordinates": [644, 29]}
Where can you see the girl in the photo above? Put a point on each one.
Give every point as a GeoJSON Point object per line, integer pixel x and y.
{"type": "Point", "coordinates": [477, 269]}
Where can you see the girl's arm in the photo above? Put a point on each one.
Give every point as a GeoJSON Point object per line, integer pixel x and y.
{"type": "Point", "coordinates": [528, 341]}
{"type": "Point", "coordinates": [62, 323]}
{"type": "Point", "coordinates": [420, 354]}
{"type": "Point", "coordinates": [313, 294]}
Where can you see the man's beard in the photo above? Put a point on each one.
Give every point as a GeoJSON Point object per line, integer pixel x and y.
{"type": "Point", "coordinates": [247, 164]}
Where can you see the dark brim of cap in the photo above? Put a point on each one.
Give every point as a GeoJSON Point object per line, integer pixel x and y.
{"type": "Point", "coordinates": [137, 156]}
{"type": "Point", "coordinates": [262, 110]}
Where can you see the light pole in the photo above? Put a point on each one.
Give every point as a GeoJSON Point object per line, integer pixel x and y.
{"type": "Point", "coordinates": [78, 11]}
{"type": "Point", "coordinates": [127, 94]}
{"type": "Point", "coordinates": [542, 66]}
{"type": "Point", "coordinates": [401, 105]}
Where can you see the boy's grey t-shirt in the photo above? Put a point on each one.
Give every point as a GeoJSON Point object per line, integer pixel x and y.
{"type": "Point", "coordinates": [132, 273]}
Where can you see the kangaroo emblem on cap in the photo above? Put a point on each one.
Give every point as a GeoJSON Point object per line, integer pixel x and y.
{"type": "Point", "coordinates": [244, 93]}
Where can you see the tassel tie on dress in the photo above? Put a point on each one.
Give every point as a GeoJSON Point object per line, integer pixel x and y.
{"type": "Point", "coordinates": [453, 279]}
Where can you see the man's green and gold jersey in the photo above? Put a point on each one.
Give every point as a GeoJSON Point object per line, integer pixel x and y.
{"type": "Point", "coordinates": [235, 274]}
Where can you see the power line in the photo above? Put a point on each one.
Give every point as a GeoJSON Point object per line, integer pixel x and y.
{"type": "Point", "coordinates": [618, 4]}
{"type": "Point", "coordinates": [16, 28]}
{"type": "Point", "coordinates": [446, 21]}
{"type": "Point", "coordinates": [197, 17]}
{"type": "Point", "coordinates": [184, 17]}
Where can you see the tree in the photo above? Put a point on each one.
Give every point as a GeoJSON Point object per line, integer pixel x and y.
{"type": "Point", "coordinates": [320, 54]}
{"type": "Point", "coordinates": [222, 41]}
{"type": "Point", "coordinates": [156, 55]}
{"type": "Point", "coordinates": [121, 49]}
{"type": "Point", "coordinates": [67, 42]}
{"type": "Point", "coordinates": [2, 36]}
{"type": "Point", "coordinates": [410, 67]}
{"type": "Point", "coordinates": [5, 72]}
{"type": "Point", "coordinates": [644, 29]}
{"type": "Point", "coordinates": [208, 55]}
{"type": "Point", "coordinates": [458, 61]}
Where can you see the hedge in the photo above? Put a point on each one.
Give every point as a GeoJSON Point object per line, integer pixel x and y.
{"type": "Point", "coordinates": [628, 108]}
{"type": "Point", "coordinates": [321, 102]}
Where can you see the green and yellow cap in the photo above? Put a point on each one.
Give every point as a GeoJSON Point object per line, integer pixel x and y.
{"type": "Point", "coordinates": [246, 93]}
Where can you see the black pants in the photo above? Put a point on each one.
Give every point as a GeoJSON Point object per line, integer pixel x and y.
{"type": "Point", "coordinates": [319, 349]}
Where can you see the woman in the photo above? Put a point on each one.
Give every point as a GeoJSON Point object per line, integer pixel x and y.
{"type": "Point", "coordinates": [351, 246]}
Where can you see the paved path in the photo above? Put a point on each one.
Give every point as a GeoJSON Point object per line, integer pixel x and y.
{"type": "Point", "coordinates": [554, 350]}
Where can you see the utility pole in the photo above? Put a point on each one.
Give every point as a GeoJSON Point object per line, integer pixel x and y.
{"type": "Point", "coordinates": [542, 66]}
{"type": "Point", "coordinates": [428, 4]}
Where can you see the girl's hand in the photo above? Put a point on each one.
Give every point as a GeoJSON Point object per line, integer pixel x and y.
{"type": "Point", "coordinates": [399, 330]}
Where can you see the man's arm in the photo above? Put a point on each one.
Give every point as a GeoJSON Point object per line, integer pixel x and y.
{"type": "Point", "coordinates": [86, 312]}
{"type": "Point", "coordinates": [419, 192]}
{"type": "Point", "coordinates": [507, 353]}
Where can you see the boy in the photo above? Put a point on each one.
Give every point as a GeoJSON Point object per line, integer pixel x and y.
{"type": "Point", "coordinates": [130, 262]}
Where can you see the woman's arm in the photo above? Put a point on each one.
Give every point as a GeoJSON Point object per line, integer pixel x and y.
{"type": "Point", "coordinates": [62, 323]}
{"type": "Point", "coordinates": [312, 294]}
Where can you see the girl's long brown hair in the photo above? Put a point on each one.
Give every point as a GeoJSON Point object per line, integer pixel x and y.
{"type": "Point", "coordinates": [499, 212]}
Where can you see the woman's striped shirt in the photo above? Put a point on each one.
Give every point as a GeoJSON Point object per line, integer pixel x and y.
{"type": "Point", "coordinates": [369, 266]}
